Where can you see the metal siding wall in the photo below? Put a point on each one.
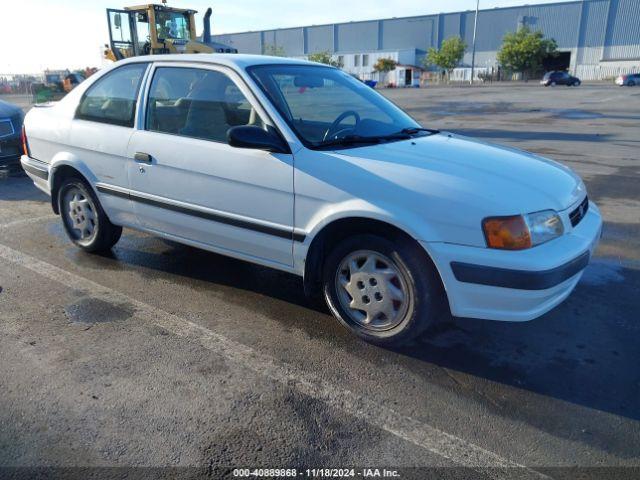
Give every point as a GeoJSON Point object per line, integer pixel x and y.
{"type": "Point", "coordinates": [401, 33]}
{"type": "Point", "coordinates": [623, 36]}
{"type": "Point", "coordinates": [244, 42]}
{"type": "Point", "coordinates": [292, 40]}
{"type": "Point", "coordinates": [607, 70]}
{"type": "Point", "coordinates": [593, 29]}
{"type": "Point", "coordinates": [269, 37]}
{"type": "Point", "coordinates": [320, 38]}
{"type": "Point", "coordinates": [467, 27]}
{"type": "Point", "coordinates": [450, 25]}
{"type": "Point", "coordinates": [357, 37]}
{"type": "Point", "coordinates": [492, 25]}
{"type": "Point", "coordinates": [559, 22]}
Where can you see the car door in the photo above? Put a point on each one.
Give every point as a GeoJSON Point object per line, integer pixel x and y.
{"type": "Point", "coordinates": [188, 182]}
{"type": "Point", "coordinates": [100, 132]}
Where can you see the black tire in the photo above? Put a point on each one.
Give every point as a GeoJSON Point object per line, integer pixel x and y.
{"type": "Point", "coordinates": [425, 297]}
{"type": "Point", "coordinates": [105, 234]}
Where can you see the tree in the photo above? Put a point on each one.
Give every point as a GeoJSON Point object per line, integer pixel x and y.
{"type": "Point", "coordinates": [524, 50]}
{"type": "Point", "coordinates": [449, 56]}
{"type": "Point", "coordinates": [273, 50]}
{"type": "Point", "coordinates": [324, 57]}
{"type": "Point", "coordinates": [385, 65]}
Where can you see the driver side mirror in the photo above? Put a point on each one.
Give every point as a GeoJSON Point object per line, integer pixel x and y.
{"type": "Point", "coordinates": [250, 136]}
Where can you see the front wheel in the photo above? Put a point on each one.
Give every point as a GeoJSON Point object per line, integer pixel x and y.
{"type": "Point", "coordinates": [576, 83]}
{"type": "Point", "coordinates": [385, 292]}
{"type": "Point", "coordinates": [83, 218]}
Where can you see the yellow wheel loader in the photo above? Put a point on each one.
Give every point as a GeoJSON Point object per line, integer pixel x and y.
{"type": "Point", "coordinates": [157, 29]}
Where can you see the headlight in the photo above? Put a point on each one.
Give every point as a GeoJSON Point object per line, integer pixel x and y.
{"type": "Point", "coordinates": [544, 226]}
{"type": "Point", "coordinates": [522, 231]}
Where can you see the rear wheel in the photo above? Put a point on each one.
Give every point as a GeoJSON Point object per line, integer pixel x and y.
{"type": "Point", "coordinates": [385, 292]}
{"type": "Point", "coordinates": [84, 219]}
{"type": "Point", "coordinates": [576, 83]}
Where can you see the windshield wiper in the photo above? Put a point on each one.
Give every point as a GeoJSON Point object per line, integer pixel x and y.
{"type": "Point", "coordinates": [356, 139]}
{"type": "Point", "coordinates": [414, 130]}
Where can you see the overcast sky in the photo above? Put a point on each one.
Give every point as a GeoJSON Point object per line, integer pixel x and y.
{"type": "Point", "coordinates": [39, 34]}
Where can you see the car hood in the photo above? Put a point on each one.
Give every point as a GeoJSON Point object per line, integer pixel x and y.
{"type": "Point", "coordinates": [491, 179]}
{"type": "Point", "coordinates": [8, 110]}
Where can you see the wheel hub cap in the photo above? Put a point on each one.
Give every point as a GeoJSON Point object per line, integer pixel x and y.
{"type": "Point", "coordinates": [372, 290]}
{"type": "Point", "coordinates": [81, 215]}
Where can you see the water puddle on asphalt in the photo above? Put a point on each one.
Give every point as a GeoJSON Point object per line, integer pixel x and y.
{"type": "Point", "coordinates": [575, 114]}
{"type": "Point", "coordinates": [89, 311]}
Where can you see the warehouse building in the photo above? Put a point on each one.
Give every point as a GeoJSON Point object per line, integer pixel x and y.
{"type": "Point", "coordinates": [598, 39]}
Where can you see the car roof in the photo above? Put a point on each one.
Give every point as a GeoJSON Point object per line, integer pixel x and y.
{"type": "Point", "coordinates": [233, 60]}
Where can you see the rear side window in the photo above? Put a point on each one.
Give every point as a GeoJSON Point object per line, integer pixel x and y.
{"type": "Point", "coordinates": [197, 103]}
{"type": "Point", "coordinates": [112, 99]}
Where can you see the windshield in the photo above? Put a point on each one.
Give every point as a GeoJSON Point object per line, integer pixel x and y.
{"type": "Point", "coordinates": [172, 25]}
{"type": "Point", "coordinates": [324, 105]}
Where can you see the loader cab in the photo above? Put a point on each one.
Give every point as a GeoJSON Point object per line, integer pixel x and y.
{"type": "Point", "coordinates": [149, 30]}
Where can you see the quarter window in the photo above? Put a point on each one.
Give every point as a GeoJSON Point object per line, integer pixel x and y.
{"type": "Point", "coordinates": [197, 103]}
{"type": "Point", "coordinates": [112, 99]}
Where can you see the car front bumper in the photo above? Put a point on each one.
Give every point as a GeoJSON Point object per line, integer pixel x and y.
{"type": "Point", "coordinates": [515, 285]}
{"type": "Point", "coordinates": [10, 154]}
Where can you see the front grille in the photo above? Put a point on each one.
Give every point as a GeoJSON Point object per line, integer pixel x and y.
{"type": "Point", "coordinates": [578, 214]}
{"type": "Point", "coordinates": [6, 127]}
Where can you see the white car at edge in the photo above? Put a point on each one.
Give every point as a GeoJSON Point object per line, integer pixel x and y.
{"type": "Point", "coordinates": [300, 167]}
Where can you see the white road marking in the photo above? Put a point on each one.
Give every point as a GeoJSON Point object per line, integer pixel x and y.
{"type": "Point", "coordinates": [25, 221]}
{"type": "Point", "coordinates": [378, 415]}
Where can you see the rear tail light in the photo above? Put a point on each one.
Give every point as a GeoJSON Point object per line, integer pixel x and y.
{"type": "Point", "coordinates": [25, 143]}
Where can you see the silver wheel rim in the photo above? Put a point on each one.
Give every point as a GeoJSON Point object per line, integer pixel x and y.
{"type": "Point", "coordinates": [372, 290]}
{"type": "Point", "coordinates": [80, 215]}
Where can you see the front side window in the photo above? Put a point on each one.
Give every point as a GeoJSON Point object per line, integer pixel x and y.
{"type": "Point", "coordinates": [172, 25]}
{"type": "Point", "coordinates": [197, 103]}
{"type": "Point", "coordinates": [112, 99]}
{"type": "Point", "coordinates": [326, 104]}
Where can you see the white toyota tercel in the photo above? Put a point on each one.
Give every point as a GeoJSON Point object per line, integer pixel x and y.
{"type": "Point", "coordinates": [300, 167]}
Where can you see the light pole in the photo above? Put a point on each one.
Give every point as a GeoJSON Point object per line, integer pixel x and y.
{"type": "Point", "coordinates": [473, 49]}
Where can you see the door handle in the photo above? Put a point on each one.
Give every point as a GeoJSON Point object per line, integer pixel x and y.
{"type": "Point", "coordinates": [142, 157]}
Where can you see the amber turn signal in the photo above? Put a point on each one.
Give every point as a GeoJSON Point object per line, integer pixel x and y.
{"type": "Point", "coordinates": [507, 233]}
